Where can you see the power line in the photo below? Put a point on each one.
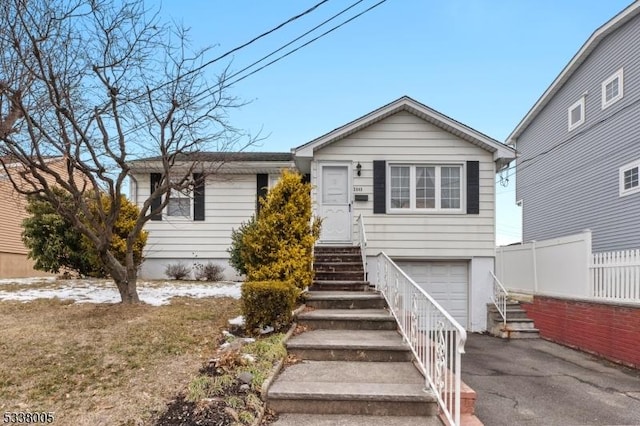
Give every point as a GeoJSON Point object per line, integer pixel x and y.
{"type": "Point", "coordinates": [211, 90]}
{"type": "Point", "coordinates": [310, 41]}
{"type": "Point", "coordinates": [235, 49]}
{"type": "Point", "coordinates": [527, 161]}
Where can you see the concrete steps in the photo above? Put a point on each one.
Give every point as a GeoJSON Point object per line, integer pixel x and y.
{"type": "Point", "coordinates": [339, 285]}
{"type": "Point", "coordinates": [350, 345]}
{"type": "Point", "coordinates": [518, 325]}
{"type": "Point", "coordinates": [344, 300]}
{"type": "Point", "coordinates": [348, 319]}
{"type": "Point", "coordinates": [338, 268]}
{"type": "Point", "coordinates": [345, 387]}
{"type": "Point", "coordinates": [291, 419]}
{"type": "Point", "coordinates": [354, 367]}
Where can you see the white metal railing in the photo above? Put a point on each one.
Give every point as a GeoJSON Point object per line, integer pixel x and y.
{"type": "Point", "coordinates": [436, 339]}
{"type": "Point", "coordinates": [363, 244]}
{"type": "Point", "coordinates": [499, 298]}
{"type": "Point", "coordinates": [616, 275]}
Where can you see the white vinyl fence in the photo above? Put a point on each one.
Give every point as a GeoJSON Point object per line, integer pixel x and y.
{"type": "Point", "coordinates": [566, 267]}
{"type": "Point", "coordinates": [616, 275]}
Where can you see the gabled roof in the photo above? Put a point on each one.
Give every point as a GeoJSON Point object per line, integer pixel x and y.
{"type": "Point", "coordinates": [430, 115]}
{"type": "Point", "coordinates": [612, 25]}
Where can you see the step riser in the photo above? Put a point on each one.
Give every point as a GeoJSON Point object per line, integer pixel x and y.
{"type": "Point", "coordinates": [347, 267]}
{"type": "Point", "coordinates": [339, 276]}
{"type": "Point", "coordinates": [338, 287]}
{"type": "Point", "coordinates": [519, 315]}
{"type": "Point", "coordinates": [519, 335]}
{"type": "Point", "coordinates": [362, 407]}
{"type": "Point", "coordinates": [332, 258]}
{"type": "Point", "coordinates": [528, 324]}
{"type": "Point", "coordinates": [336, 249]}
{"type": "Point", "coordinates": [347, 304]}
{"type": "Point", "coordinates": [317, 354]}
{"type": "Point", "coordinates": [340, 324]}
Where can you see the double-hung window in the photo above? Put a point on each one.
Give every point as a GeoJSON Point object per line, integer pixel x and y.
{"type": "Point", "coordinates": [179, 204]}
{"type": "Point", "coordinates": [612, 89]}
{"type": "Point", "coordinates": [425, 188]}
{"type": "Point", "coordinates": [630, 178]}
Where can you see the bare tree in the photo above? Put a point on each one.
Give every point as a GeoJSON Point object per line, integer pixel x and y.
{"type": "Point", "coordinates": [101, 83]}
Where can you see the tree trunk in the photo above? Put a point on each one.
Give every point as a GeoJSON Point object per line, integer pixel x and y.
{"type": "Point", "coordinates": [128, 291]}
{"type": "Point", "coordinates": [126, 278]}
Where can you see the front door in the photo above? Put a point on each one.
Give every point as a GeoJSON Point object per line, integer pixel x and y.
{"type": "Point", "coordinates": [335, 203]}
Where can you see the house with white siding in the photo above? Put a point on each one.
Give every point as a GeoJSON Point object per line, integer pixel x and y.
{"type": "Point", "coordinates": [423, 184]}
{"type": "Point", "coordinates": [578, 146]}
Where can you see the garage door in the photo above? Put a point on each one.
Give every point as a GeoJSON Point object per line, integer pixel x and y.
{"type": "Point", "coordinates": [446, 282]}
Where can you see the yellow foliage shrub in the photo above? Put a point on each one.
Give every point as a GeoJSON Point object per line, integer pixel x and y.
{"type": "Point", "coordinates": [268, 303]}
{"type": "Point", "coordinates": [279, 246]}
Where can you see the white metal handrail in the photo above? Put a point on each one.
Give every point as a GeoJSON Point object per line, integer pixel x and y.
{"type": "Point", "coordinates": [363, 244]}
{"type": "Point", "coordinates": [499, 298]}
{"type": "Point", "coordinates": [436, 339]}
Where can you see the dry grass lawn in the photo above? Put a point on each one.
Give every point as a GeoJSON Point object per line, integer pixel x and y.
{"type": "Point", "coordinates": [100, 364]}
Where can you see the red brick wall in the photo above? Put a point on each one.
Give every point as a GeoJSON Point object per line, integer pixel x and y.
{"type": "Point", "coordinates": [608, 330]}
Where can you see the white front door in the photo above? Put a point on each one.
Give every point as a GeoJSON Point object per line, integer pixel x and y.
{"type": "Point", "coordinates": [335, 203]}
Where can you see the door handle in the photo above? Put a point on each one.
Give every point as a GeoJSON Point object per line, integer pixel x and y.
{"type": "Point", "coordinates": [349, 207]}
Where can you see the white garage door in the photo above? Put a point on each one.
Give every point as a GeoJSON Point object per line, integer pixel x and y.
{"type": "Point", "coordinates": [446, 282]}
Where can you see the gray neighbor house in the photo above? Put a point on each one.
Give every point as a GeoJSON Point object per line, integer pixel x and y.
{"type": "Point", "coordinates": [579, 145]}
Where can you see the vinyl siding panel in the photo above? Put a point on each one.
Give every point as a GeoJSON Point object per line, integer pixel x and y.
{"type": "Point", "coordinates": [575, 185]}
{"type": "Point", "coordinates": [12, 213]}
{"type": "Point", "coordinates": [229, 200]}
{"type": "Point", "coordinates": [403, 137]}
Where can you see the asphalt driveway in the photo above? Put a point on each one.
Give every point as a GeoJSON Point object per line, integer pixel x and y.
{"type": "Point", "coordinates": [536, 382]}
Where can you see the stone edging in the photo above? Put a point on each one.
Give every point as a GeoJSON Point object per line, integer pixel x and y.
{"type": "Point", "coordinates": [275, 370]}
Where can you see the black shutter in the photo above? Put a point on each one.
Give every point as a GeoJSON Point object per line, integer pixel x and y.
{"type": "Point", "coordinates": [473, 187]}
{"type": "Point", "coordinates": [306, 178]}
{"type": "Point", "coordinates": [262, 187]}
{"type": "Point", "coordinates": [156, 214]}
{"type": "Point", "coordinates": [198, 196]}
{"type": "Point", "coordinates": [379, 187]}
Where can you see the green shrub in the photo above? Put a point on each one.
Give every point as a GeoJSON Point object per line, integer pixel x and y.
{"type": "Point", "coordinates": [237, 248]}
{"type": "Point", "coordinates": [268, 303]}
{"type": "Point", "coordinates": [279, 245]}
{"type": "Point", "coordinates": [56, 244]}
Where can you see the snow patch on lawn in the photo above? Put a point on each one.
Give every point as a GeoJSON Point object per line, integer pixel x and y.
{"type": "Point", "coordinates": [102, 291]}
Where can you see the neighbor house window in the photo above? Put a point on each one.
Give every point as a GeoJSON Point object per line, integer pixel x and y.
{"type": "Point", "coordinates": [612, 89]}
{"type": "Point", "coordinates": [576, 114]}
{"type": "Point", "coordinates": [629, 181]}
{"type": "Point", "coordinates": [425, 188]}
{"type": "Point", "coordinates": [179, 204]}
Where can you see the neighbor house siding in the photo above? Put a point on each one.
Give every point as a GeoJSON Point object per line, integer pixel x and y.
{"type": "Point", "coordinates": [13, 254]}
{"type": "Point", "coordinates": [12, 213]}
{"type": "Point", "coordinates": [574, 186]}
{"type": "Point", "coordinates": [229, 200]}
{"type": "Point", "coordinates": [404, 137]}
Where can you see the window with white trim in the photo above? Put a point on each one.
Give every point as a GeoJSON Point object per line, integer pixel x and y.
{"type": "Point", "coordinates": [179, 204]}
{"type": "Point", "coordinates": [612, 89]}
{"type": "Point", "coordinates": [424, 188]}
{"type": "Point", "coordinates": [629, 178]}
{"type": "Point", "coordinates": [576, 114]}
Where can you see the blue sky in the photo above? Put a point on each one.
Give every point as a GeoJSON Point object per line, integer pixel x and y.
{"type": "Point", "coordinates": [481, 62]}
